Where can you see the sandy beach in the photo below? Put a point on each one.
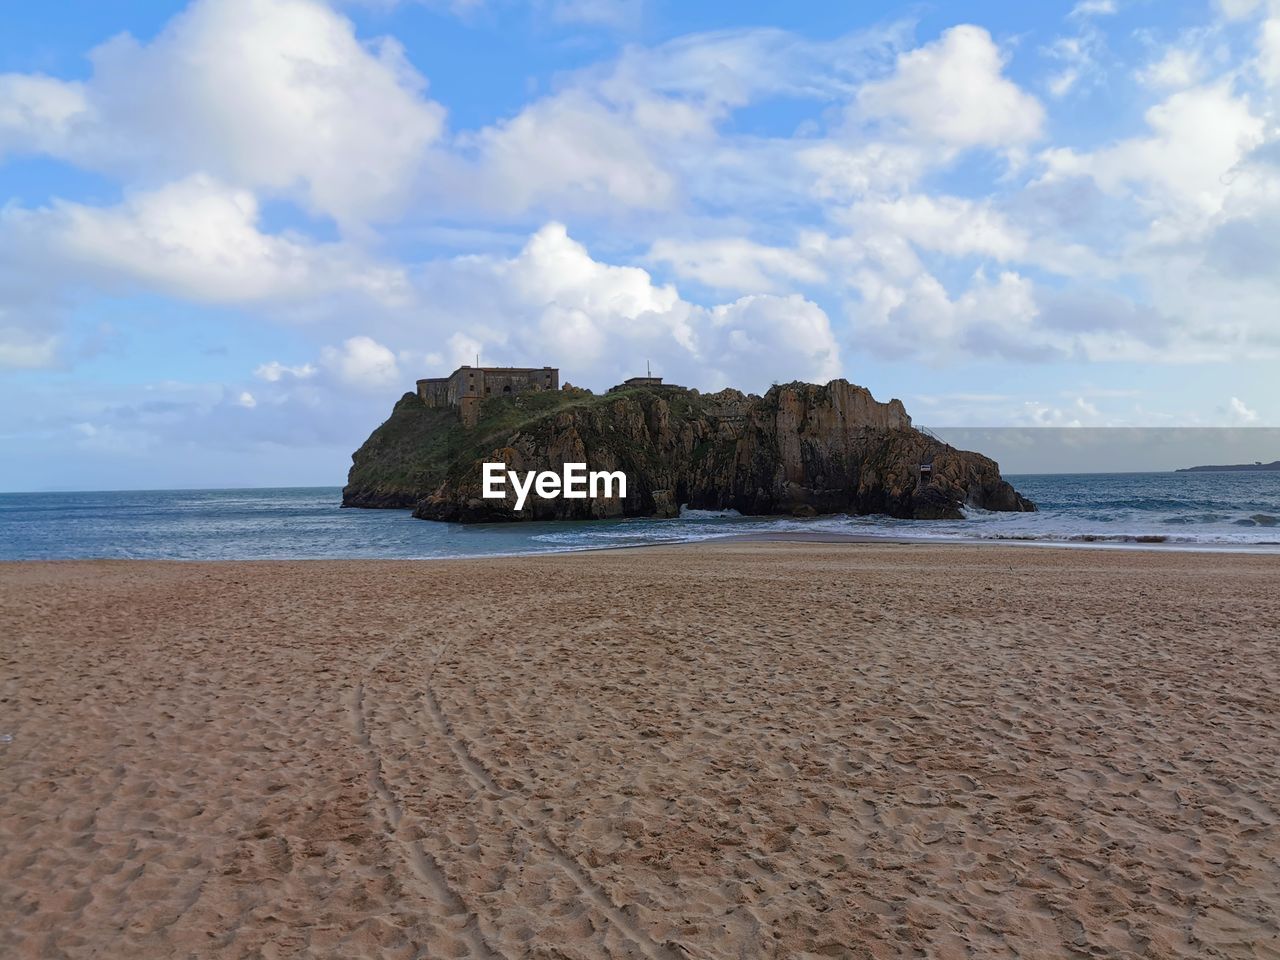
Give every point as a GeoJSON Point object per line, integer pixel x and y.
{"type": "Point", "coordinates": [722, 751]}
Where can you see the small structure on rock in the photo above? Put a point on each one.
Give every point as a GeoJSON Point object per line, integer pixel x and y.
{"type": "Point", "coordinates": [648, 380]}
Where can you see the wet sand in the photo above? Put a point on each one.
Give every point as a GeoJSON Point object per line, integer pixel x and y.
{"type": "Point", "coordinates": [723, 751]}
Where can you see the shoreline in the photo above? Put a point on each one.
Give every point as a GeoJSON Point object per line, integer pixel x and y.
{"type": "Point", "coordinates": [1266, 548]}
{"type": "Point", "coordinates": [793, 537]}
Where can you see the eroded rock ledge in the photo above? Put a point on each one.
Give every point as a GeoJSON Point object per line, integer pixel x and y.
{"type": "Point", "coordinates": [800, 449]}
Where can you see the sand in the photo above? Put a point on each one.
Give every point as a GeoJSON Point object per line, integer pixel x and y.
{"type": "Point", "coordinates": [742, 750]}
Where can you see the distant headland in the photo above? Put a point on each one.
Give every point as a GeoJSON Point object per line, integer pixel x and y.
{"type": "Point", "coordinates": [1255, 467]}
{"type": "Point", "coordinates": [801, 449]}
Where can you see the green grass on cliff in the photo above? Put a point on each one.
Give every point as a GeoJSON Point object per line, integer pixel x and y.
{"type": "Point", "coordinates": [411, 453]}
{"type": "Point", "coordinates": [406, 454]}
{"type": "Point", "coordinates": [595, 423]}
{"type": "Point", "coordinates": [501, 418]}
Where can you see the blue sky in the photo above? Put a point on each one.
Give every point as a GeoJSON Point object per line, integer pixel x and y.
{"type": "Point", "coordinates": [234, 231]}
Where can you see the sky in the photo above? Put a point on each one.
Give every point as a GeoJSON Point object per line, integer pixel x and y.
{"type": "Point", "coordinates": [234, 232]}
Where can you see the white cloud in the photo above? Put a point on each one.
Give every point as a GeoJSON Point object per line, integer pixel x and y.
{"type": "Point", "coordinates": [1081, 413]}
{"type": "Point", "coordinates": [1238, 9]}
{"type": "Point", "coordinates": [553, 303]}
{"type": "Point", "coordinates": [277, 95]}
{"type": "Point", "coordinates": [275, 371]}
{"type": "Point", "coordinates": [363, 363]}
{"type": "Point", "coordinates": [39, 114]}
{"type": "Point", "coordinates": [644, 131]}
{"type": "Point", "coordinates": [951, 225]}
{"type": "Point", "coordinates": [1177, 68]}
{"type": "Point", "coordinates": [197, 239]}
{"type": "Point", "coordinates": [553, 299]}
{"type": "Point", "coordinates": [736, 263]}
{"type": "Point", "coordinates": [953, 91]}
{"type": "Point", "coordinates": [644, 151]}
{"type": "Point", "coordinates": [613, 14]}
{"type": "Point", "coordinates": [764, 336]}
{"type": "Point", "coordinates": [915, 316]}
{"type": "Point", "coordinates": [246, 400]}
{"type": "Point", "coordinates": [1269, 49]}
{"type": "Point", "coordinates": [1183, 167]}
{"type": "Point", "coordinates": [113, 440]}
{"type": "Point", "coordinates": [1093, 8]}
{"type": "Point", "coordinates": [23, 349]}
{"type": "Point", "coordinates": [1241, 412]}
{"type": "Point", "coordinates": [1189, 209]}
{"type": "Point", "coordinates": [1080, 55]}
{"type": "Point", "coordinates": [1067, 49]}
{"type": "Point", "coordinates": [838, 171]}
{"type": "Point", "coordinates": [571, 149]}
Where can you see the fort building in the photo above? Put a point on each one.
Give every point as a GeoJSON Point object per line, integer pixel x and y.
{"type": "Point", "coordinates": [467, 387]}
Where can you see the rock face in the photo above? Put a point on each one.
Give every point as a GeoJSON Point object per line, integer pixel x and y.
{"type": "Point", "coordinates": [404, 459]}
{"type": "Point", "coordinates": [801, 449]}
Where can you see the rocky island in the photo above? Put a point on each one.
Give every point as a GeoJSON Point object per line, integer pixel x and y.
{"type": "Point", "coordinates": [1256, 467]}
{"type": "Point", "coordinates": [801, 449]}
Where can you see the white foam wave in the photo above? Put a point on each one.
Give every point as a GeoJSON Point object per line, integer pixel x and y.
{"type": "Point", "coordinates": [978, 525]}
{"type": "Point", "coordinates": [689, 513]}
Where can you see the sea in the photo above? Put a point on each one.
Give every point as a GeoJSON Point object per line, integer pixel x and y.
{"type": "Point", "coordinates": [1211, 511]}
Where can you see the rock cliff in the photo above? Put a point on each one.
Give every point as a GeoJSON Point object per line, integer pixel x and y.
{"type": "Point", "coordinates": [802, 449]}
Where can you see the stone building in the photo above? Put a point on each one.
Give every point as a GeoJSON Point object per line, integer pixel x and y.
{"type": "Point", "coordinates": [467, 387]}
{"type": "Point", "coordinates": [645, 381]}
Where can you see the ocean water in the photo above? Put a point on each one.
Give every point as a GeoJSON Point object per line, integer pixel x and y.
{"type": "Point", "coordinates": [1238, 510]}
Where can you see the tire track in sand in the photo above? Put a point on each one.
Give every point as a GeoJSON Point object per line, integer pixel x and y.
{"type": "Point", "coordinates": [421, 863]}
{"type": "Point", "coordinates": [591, 889]}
